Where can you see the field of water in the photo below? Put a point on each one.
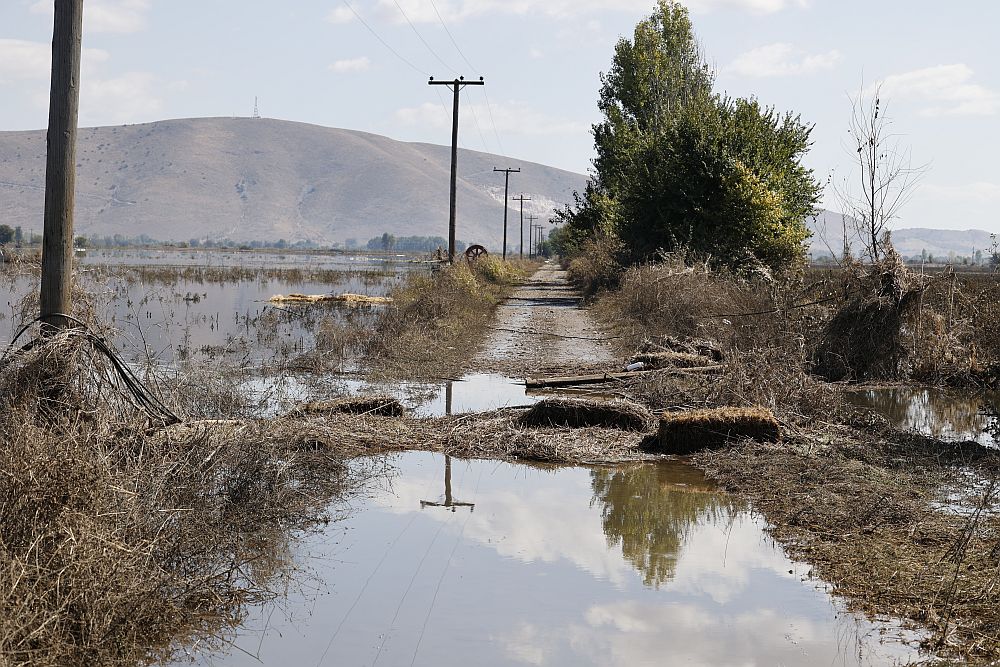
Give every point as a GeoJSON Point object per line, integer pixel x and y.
{"type": "Point", "coordinates": [172, 305]}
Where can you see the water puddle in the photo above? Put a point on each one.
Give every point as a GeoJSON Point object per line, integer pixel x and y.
{"type": "Point", "coordinates": [937, 413]}
{"type": "Point", "coordinates": [484, 563]}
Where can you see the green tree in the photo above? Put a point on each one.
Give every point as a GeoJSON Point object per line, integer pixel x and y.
{"type": "Point", "coordinates": [678, 166]}
{"type": "Point", "coordinates": [6, 234]}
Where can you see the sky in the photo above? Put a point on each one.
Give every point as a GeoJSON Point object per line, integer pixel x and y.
{"type": "Point", "coordinates": [364, 65]}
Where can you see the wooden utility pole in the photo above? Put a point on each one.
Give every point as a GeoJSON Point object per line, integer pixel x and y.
{"type": "Point", "coordinates": [506, 184]}
{"type": "Point", "coordinates": [456, 87]}
{"type": "Point", "coordinates": [60, 165]}
{"type": "Point", "coordinates": [531, 232]}
{"type": "Point", "coordinates": [522, 199]}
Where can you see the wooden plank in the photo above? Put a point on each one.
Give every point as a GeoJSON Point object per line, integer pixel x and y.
{"type": "Point", "coordinates": [571, 380]}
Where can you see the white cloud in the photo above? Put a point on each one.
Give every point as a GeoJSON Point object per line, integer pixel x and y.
{"type": "Point", "coordinates": [22, 60]}
{"type": "Point", "coordinates": [118, 16]}
{"type": "Point", "coordinates": [129, 98]}
{"type": "Point", "coordinates": [781, 59]}
{"type": "Point", "coordinates": [422, 11]}
{"type": "Point", "coordinates": [510, 118]}
{"type": "Point", "coordinates": [948, 90]}
{"type": "Point", "coordinates": [339, 15]}
{"type": "Point", "coordinates": [361, 64]}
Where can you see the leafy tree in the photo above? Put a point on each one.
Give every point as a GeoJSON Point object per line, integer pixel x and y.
{"type": "Point", "coordinates": [678, 166]}
{"type": "Point", "coordinates": [6, 234]}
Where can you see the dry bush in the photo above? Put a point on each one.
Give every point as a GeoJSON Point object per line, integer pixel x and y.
{"type": "Point", "coordinates": [685, 298]}
{"type": "Point", "coordinates": [597, 265]}
{"type": "Point", "coordinates": [864, 338]}
{"type": "Point", "coordinates": [120, 545]}
{"type": "Point", "coordinates": [436, 321]}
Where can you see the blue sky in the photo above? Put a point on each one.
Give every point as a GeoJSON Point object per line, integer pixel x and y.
{"type": "Point", "coordinates": [316, 61]}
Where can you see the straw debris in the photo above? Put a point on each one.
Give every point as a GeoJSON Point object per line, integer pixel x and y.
{"type": "Point", "coordinates": [348, 298]}
{"type": "Point", "coordinates": [385, 406]}
{"type": "Point", "coordinates": [575, 413]}
{"type": "Point", "coordinates": [654, 360]}
{"type": "Point", "coordinates": [688, 432]}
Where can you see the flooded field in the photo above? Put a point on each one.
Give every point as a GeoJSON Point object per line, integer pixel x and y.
{"type": "Point", "coordinates": [484, 563]}
{"type": "Point", "coordinates": [939, 413]}
{"type": "Point", "coordinates": [172, 305]}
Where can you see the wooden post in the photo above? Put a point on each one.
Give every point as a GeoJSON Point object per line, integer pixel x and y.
{"type": "Point", "coordinates": [60, 166]}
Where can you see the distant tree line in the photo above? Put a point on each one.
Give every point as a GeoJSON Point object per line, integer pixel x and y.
{"type": "Point", "coordinates": [387, 242]}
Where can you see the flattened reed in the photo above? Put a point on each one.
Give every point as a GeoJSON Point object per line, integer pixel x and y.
{"type": "Point", "coordinates": [576, 413]}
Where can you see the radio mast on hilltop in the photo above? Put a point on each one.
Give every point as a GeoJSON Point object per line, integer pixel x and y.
{"type": "Point", "coordinates": [256, 109]}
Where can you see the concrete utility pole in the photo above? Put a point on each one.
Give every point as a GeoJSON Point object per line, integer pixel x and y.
{"type": "Point", "coordinates": [60, 165]}
{"type": "Point", "coordinates": [456, 87]}
{"type": "Point", "coordinates": [531, 234]}
{"type": "Point", "coordinates": [522, 199]}
{"type": "Point", "coordinates": [506, 183]}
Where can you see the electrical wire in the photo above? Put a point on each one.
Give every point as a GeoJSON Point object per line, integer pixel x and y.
{"type": "Point", "coordinates": [424, 41]}
{"type": "Point", "coordinates": [489, 107]}
{"type": "Point", "coordinates": [384, 43]}
{"type": "Point", "coordinates": [128, 385]}
{"type": "Point", "coordinates": [451, 37]}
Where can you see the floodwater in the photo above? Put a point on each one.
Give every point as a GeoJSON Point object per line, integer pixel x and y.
{"type": "Point", "coordinates": [947, 415]}
{"type": "Point", "coordinates": [484, 563]}
{"type": "Point", "coordinates": [173, 305]}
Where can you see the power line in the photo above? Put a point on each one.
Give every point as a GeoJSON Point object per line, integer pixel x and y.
{"type": "Point", "coordinates": [451, 37]}
{"type": "Point", "coordinates": [475, 119]}
{"type": "Point", "coordinates": [489, 107]}
{"type": "Point", "coordinates": [421, 38]}
{"type": "Point", "coordinates": [384, 43]}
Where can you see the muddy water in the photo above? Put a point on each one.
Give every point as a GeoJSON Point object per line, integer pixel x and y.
{"type": "Point", "coordinates": [484, 563]}
{"type": "Point", "coordinates": [943, 414]}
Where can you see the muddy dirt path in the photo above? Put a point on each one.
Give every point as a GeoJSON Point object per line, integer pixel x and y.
{"type": "Point", "coordinates": [542, 329]}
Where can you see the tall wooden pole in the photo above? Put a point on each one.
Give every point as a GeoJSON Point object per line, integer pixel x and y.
{"type": "Point", "coordinates": [456, 87]}
{"type": "Point", "coordinates": [60, 166]}
{"type": "Point", "coordinates": [522, 199]}
{"type": "Point", "coordinates": [506, 190]}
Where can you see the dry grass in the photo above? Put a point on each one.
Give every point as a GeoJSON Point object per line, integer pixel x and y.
{"type": "Point", "coordinates": [436, 321]}
{"type": "Point", "coordinates": [866, 512]}
{"type": "Point", "coordinates": [688, 432]}
{"type": "Point", "coordinates": [576, 413]}
{"type": "Point", "coordinates": [120, 543]}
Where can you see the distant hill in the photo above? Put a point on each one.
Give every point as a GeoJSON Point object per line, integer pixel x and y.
{"type": "Point", "coordinates": [244, 179]}
{"type": "Point", "coordinates": [828, 234]}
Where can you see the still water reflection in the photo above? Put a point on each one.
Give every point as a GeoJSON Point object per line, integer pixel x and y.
{"type": "Point", "coordinates": [941, 414]}
{"type": "Point", "coordinates": [485, 563]}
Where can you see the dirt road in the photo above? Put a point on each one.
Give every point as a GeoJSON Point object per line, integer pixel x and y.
{"type": "Point", "coordinates": [541, 329]}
